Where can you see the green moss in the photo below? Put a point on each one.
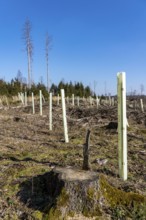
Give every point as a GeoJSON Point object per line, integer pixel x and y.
{"type": "Point", "coordinates": [92, 212]}
{"type": "Point", "coordinates": [54, 214]}
{"type": "Point", "coordinates": [71, 213]}
{"type": "Point", "coordinates": [90, 193]}
{"type": "Point", "coordinates": [63, 198]}
{"type": "Point", "coordinates": [143, 131]}
{"type": "Point", "coordinates": [117, 197]}
{"type": "Point", "coordinates": [77, 141]}
{"type": "Point", "coordinates": [38, 215]}
{"type": "Point", "coordinates": [92, 197]}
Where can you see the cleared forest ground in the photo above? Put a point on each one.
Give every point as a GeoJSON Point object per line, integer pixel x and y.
{"type": "Point", "coordinates": [28, 150]}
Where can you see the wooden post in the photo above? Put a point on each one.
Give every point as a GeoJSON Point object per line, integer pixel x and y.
{"type": "Point", "coordinates": [86, 163]}
{"type": "Point", "coordinates": [33, 109]}
{"type": "Point", "coordinates": [41, 112]}
{"type": "Point", "coordinates": [64, 116]}
{"type": "Point", "coordinates": [122, 125]}
{"type": "Point", "coordinates": [50, 111]}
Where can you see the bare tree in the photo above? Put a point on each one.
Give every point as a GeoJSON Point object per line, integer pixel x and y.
{"type": "Point", "coordinates": [95, 84]}
{"type": "Point", "coordinates": [105, 88]}
{"type": "Point", "coordinates": [19, 77]}
{"type": "Point", "coordinates": [47, 48]}
{"type": "Point", "coordinates": [141, 89]}
{"type": "Point", "coordinates": [29, 49]}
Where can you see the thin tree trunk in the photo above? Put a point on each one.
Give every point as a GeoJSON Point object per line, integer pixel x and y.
{"type": "Point", "coordinates": [86, 163]}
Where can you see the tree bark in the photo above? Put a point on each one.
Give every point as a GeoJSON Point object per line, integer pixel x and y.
{"type": "Point", "coordinates": [73, 192]}
{"type": "Point", "coordinates": [86, 163]}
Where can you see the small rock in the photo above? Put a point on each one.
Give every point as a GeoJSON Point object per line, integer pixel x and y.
{"type": "Point", "coordinates": [100, 161]}
{"type": "Point", "coordinates": [112, 125]}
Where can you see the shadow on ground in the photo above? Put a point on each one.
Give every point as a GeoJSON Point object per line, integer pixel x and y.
{"type": "Point", "coordinates": [40, 192]}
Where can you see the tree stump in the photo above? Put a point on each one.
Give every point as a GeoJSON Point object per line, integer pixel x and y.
{"type": "Point", "coordinates": [73, 192]}
{"type": "Point", "coordinates": [70, 194]}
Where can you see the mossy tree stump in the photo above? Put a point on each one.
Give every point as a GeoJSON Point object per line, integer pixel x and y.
{"type": "Point", "coordinates": [78, 192]}
{"type": "Point", "coordinates": [74, 192]}
{"type": "Point", "coordinates": [64, 193]}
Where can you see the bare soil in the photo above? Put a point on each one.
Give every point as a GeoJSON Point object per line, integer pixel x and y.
{"type": "Point", "coordinates": [28, 151]}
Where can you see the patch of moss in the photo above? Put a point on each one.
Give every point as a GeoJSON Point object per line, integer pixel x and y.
{"type": "Point", "coordinates": [71, 213]}
{"type": "Point", "coordinates": [63, 198]}
{"type": "Point", "coordinates": [77, 141]}
{"type": "Point", "coordinates": [38, 215]}
{"type": "Point", "coordinates": [143, 131]}
{"type": "Point", "coordinates": [92, 198]}
{"type": "Point", "coordinates": [92, 212]}
{"type": "Point", "coordinates": [54, 214]}
{"type": "Point", "coordinates": [117, 197]}
{"type": "Point", "coordinates": [90, 193]}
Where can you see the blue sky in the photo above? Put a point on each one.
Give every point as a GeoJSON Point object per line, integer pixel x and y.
{"type": "Point", "coordinates": [92, 41]}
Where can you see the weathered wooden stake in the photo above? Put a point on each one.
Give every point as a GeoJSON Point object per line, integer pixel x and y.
{"type": "Point", "coordinates": [33, 108]}
{"type": "Point", "coordinates": [86, 163]}
{"type": "Point", "coordinates": [41, 112]}
{"type": "Point", "coordinates": [50, 111]}
{"type": "Point", "coordinates": [122, 125]}
{"type": "Point", "coordinates": [64, 116]}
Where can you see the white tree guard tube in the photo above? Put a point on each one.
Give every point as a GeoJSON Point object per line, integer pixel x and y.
{"type": "Point", "coordinates": [41, 112]}
{"type": "Point", "coordinates": [78, 101]}
{"type": "Point", "coordinates": [97, 102]}
{"type": "Point", "coordinates": [25, 98]}
{"type": "Point", "coordinates": [21, 97]}
{"type": "Point", "coordinates": [58, 99]}
{"type": "Point", "coordinates": [50, 111]}
{"type": "Point", "coordinates": [64, 116]}
{"type": "Point", "coordinates": [67, 100]}
{"type": "Point", "coordinates": [113, 101]}
{"type": "Point", "coordinates": [33, 108]}
{"type": "Point", "coordinates": [73, 100]}
{"type": "Point", "coordinates": [122, 125]}
{"type": "Point", "coordinates": [90, 100]}
{"type": "Point", "coordinates": [110, 101]}
{"type": "Point", "coordinates": [141, 105]}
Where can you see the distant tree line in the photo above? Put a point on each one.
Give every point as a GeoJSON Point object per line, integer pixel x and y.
{"type": "Point", "coordinates": [19, 84]}
{"type": "Point", "coordinates": [15, 86]}
{"type": "Point", "coordinates": [77, 88]}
